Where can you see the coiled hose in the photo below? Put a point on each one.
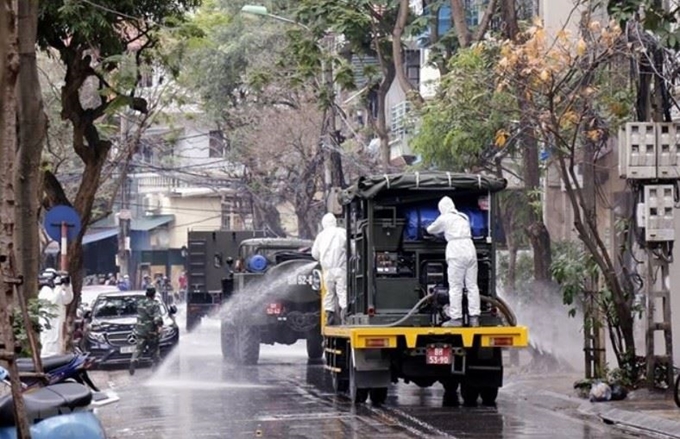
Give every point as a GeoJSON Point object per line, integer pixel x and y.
{"type": "Point", "coordinates": [497, 302]}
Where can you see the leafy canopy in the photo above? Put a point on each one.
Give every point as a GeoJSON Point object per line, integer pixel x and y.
{"type": "Point", "coordinates": [469, 118]}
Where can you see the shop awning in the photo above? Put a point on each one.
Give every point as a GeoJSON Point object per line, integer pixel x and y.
{"type": "Point", "coordinates": [99, 234]}
{"type": "Point", "coordinates": [150, 222]}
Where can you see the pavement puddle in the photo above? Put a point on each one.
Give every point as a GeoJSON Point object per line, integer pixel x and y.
{"type": "Point", "coordinates": [200, 385]}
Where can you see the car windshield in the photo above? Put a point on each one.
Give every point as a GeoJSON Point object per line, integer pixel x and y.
{"type": "Point", "coordinates": [123, 306]}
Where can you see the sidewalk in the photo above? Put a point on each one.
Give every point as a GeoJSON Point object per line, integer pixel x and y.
{"type": "Point", "coordinates": [642, 412]}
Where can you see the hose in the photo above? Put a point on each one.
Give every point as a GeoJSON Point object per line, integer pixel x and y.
{"type": "Point", "coordinates": [413, 310]}
{"type": "Point", "coordinates": [503, 308]}
{"type": "Point", "coordinates": [497, 302]}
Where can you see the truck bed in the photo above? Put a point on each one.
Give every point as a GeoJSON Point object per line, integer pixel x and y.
{"type": "Point", "coordinates": [369, 337]}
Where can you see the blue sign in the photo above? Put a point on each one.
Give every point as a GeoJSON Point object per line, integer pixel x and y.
{"type": "Point", "coordinates": [62, 214]}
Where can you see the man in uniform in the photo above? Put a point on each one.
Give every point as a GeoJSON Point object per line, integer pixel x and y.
{"type": "Point", "coordinates": [147, 330]}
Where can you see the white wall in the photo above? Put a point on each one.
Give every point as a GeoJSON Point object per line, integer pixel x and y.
{"type": "Point", "coordinates": [191, 213]}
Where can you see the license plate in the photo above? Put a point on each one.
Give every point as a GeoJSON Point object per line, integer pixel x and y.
{"type": "Point", "coordinates": [438, 355]}
{"type": "Point", "coordinates": [127, 349]}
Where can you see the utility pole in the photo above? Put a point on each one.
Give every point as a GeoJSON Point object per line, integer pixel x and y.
{"type": "Point", "coordinates": [333, 174]}
{"type": "Point", "coordinates": [124, 214]}
{"type": "Point", "coordinates": [593, 328]}
{"type": "Point", "coordinates": [649, 159]}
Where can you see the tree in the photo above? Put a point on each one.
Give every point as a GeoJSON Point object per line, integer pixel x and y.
{"type": "Point", "coordinates": [351, 20]}
{"type": "Point", "coordinates": [282, 146]}
{"type": "Point", "coordinates": [572, 94]}
{"type": "Point", "coordinates": [32, 131]}
{"type": "Point", "coordinates": [92, 50]}
{"type": "Point", "coordinates": [9, 66]}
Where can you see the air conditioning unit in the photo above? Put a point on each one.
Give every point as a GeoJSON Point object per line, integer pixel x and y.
{"type": "Point", "coordinates": [152, 204]}
{"type": "Point", "coordinates": [578, 170]}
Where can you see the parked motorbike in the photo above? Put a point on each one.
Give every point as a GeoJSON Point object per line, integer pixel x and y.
{"type": "Point", "coordinates": [58, 369]}
{"type": "Point", "coordinates": [59, 411]}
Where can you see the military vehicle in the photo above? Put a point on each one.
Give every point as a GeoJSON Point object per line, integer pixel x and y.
{"type": "Point", "coordinates": [270, 298]}
{"type": "Point", "coordinates": [398, 292]}
{"type": "Point", "coordinates": [208, 254]}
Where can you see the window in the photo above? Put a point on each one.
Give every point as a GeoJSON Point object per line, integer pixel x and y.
{"type": "Point", "coordinates": [216, 144]}
{"type": "Point", "coordinates": [146, 76]}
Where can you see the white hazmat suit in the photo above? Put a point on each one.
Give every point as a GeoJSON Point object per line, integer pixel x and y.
{"type": "Point", "coordinates": [329, 250]}
{"type": "Point", "coordinates": [461, 258]}
{"type": "Point", "coordinates": [52, 337]}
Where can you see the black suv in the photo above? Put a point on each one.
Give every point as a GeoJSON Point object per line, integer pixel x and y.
{"type": "Point", "coordinates": [109, 329]}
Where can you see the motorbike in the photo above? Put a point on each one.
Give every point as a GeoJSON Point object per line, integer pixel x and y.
{"type": "Point", "coordinates": [58, 411]}
{"type": "Point", "coordinates": [58, 369]}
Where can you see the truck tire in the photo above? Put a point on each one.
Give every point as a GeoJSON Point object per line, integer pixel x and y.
{"type": "Point", "coordinates": [450, 398]}
{"type": "Point", "coordinates": [489, 395]}
{"type": "Point", "coordinates": [340, 383]}
{"type": "Point", "coordinates": [357, 395]}
{"type": "Point", "coordinates": [192, 322]}
{"type": "Point", "coordinates": [228, 343]}
{"type": "Point", "coordinates": [469, 394]}
{"type": "Point", "coordinates": [378, 395]}
{"type": "Point", "coordinates": [248, 345]}
{"type": "Point", "coordinates": [314, 344]}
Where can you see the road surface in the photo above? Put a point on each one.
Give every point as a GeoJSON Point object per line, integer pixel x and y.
{"type": "Point", "coordinates": [194, 394]}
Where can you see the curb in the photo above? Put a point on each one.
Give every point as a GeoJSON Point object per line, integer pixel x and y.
{"type": "Point", "coordinates": [634, 422]}
{"type": "Point", "coordinates": [639, 422]}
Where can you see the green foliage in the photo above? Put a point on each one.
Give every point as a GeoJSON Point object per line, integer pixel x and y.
{"type": "Point", "coordinates": [459, 126]}
{"type": "Point", "coordinates": [572, 265]}
{"type": "Point", "coordinates": [653, 16]}
{"type": "Point", "coordinates": [39, 311]}
{"type": "Point", "coordinates": [100, 23]}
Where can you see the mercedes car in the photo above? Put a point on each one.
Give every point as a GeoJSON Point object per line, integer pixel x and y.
{"type": "Point", "coordinates": [109, 329]}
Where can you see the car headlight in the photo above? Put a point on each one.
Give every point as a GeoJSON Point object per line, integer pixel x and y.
{"type": "Point", "coordinates": [97, 337]}
{"type": "Point", "coordinates": [168, 332]}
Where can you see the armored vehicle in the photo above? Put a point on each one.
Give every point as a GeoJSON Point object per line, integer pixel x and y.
{"type": "Point", "coordinates": [269, 298]}
{"type": "Point", "coordinates": [208, 253]}
{"type": "Point", "coordinates": [398, 292]}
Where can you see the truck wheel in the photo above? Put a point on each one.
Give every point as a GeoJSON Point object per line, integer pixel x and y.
{"type": "Point", "coordinates": [450, 394]}
{"type": "Point", "coordinates": [378, 395]}
{"type": "Point", "coordinates": [340, 384]}
{"type": "Point", "coordinates": [192, 322]}
{"type": "Point", "coordinates": [489, 395]}
{"type": "Point", "coordinates": [357, 395]}
{"type": "Point", "coordinates": [228, 343]}
{"type": "Point", "coordinates": [469, 394]}
{"type": "Point", "coordinates": [248, 345]}
{"type": "Point", "coordinates": [314, 345]}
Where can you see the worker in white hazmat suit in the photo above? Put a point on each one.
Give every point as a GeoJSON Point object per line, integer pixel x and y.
{"type": "Point", "coordinates": [329, 250]}
{"type": "Point", "coordinates": [461, 258]}
{"type": "Point", "coordinates": [60, 295]}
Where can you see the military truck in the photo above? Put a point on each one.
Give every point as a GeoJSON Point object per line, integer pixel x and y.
{"type": "Point", "coordinates": [270, 298]}
{"type": "Point", "coordinates": [208, 254]}
{"type": "Point", "coordinates": [398, 292]}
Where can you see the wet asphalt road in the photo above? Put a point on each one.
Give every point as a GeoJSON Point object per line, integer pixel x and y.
{"type": "Point", "coordinates": [196, 395]}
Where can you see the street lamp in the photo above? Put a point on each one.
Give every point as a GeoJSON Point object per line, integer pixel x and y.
{"type": "Point", "coordinates": [263, 12]}
{"type": "Point", "coordinates": [327, 68]}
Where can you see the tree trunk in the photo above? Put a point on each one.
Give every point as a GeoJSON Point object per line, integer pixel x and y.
{"type": "Point", "coordinates": [509, 17]}
{"type": "Point", "coordinates": [32, 130]}
{"type": "Point", "coordinates": [381, 123]}
{"type": "Point", "coordinates": [266, 216]}
{"type": "Point", "coordinates": [8, 278]}
{"type": "Point", "coordinates": [458, 15]}
{"type": "Point", "coordinates": [398, 54]}
{"type": "Point", "coordinates": [537, 232]}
